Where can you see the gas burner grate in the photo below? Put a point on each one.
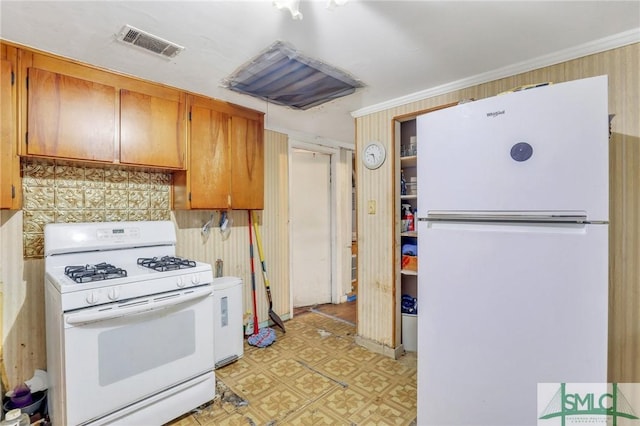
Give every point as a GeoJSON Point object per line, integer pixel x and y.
{"type": "Point", "coordinates": [98, 272]}
{"type": "Point", "coordinates": [165, 263]}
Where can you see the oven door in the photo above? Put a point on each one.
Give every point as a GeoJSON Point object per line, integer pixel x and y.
{"type": "Point", "coordinates": [119, 354]}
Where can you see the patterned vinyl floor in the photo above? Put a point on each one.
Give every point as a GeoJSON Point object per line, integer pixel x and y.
{"type": "Point", "coordinates": [315, 374]}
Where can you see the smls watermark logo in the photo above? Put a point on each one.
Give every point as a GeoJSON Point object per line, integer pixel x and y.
{"type": "Point", "coordinates": [611, 404]}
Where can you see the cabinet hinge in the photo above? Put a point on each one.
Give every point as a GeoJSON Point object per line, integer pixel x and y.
{"type": "Point", "coordinates": [26, 138]}
{"type": "Point", "coordinates": [13, 78]}
{"type": "Point", "coordinates": [13, 191]}
{"type": "Point", "coordinates": [189, 197]}
{"type": "Point", "coordinates": [189, 115]}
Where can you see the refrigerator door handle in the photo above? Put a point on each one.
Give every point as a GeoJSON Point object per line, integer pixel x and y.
{"type": "Point", "coordinates": [543, 217]}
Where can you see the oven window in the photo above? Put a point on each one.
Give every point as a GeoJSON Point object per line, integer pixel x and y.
{"type": "Point", "coordinates": [132, 349]}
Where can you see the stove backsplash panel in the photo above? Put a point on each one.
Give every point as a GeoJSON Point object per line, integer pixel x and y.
{"type": "Point", "coordinates": [69, 193]}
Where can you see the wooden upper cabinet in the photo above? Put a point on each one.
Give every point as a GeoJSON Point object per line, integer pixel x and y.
{"type": "Point", "coordinates": [247, 157]}
{"type": "Point", "coordinates": [226, 158]}
{"type": "Point", "coordinates": [78, 112]}
{"type": "Point", "coordinates": [70, 117]}
{"type": "Point", "coordinates": [209, 165]}
{"type": "Point", "coordinates": [10, 183]}
{"type": "Point", "coordinates": [152, 130]}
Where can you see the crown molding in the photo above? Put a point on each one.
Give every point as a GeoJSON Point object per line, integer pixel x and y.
{"type": "Point", "coordinates": [596, 46]}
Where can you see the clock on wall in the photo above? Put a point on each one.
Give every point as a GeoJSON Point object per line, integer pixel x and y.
{"type": "Point", "coordinates": [373, 155]}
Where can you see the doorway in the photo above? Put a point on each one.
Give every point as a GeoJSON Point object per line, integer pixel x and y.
{"type": "Point", "coordinates": [312, 226]}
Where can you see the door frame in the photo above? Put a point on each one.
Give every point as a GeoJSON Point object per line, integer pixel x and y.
{"type": "Point", "coordinates": [333, 160]}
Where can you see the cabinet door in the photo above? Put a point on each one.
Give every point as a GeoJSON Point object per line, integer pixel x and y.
{"type": "Point", "coordinates": [9, 161]}
{"type": "Point", "coordinates": [151, 130]}
{"type": "Point", "coordinates": [70, 118]}
{"type": "Point", "coordinates": [209, 164]}
{"type": "Point", "coordinates": [247, 153]}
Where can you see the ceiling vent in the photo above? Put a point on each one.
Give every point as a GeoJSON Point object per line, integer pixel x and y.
{"type": "Point", "coordinates": [149, 42]}
{"type": "Point", "coordinates": [283, 76]}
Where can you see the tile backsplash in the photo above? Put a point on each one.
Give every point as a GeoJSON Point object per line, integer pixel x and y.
{"type": "Point", "coordinates": [71, 193]}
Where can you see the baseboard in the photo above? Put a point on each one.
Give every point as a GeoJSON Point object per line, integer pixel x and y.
{"type": "Point", "coordinates": [379, 348]}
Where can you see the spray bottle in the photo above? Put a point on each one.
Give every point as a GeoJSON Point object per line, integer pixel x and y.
{"type": "Point", "coordinates": [408, 217]}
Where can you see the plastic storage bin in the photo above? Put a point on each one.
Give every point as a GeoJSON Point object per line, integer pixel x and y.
{"type": "Point", "coordinates": [228, 337]}
{"type": "Point", "coordinates": [410, 332]}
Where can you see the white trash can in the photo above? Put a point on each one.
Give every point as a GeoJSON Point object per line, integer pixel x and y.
{"type": "Point", "coordinates": [228, 333]}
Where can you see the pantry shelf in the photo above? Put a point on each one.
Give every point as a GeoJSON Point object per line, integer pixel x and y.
{"type": "Point", "coordinates": [410, 161]}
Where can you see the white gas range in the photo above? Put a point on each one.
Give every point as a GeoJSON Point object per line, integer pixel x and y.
{"type": "Point", "coordinates": [129, 324]}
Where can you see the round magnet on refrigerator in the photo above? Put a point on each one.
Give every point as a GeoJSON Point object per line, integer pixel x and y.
{"type": "Point", "coordinates": [521, 151]}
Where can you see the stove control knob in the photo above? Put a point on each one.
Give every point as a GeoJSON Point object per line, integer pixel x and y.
{"type": "Point", "coordinates": [195, 279]}
{"type": "Point", "coordinates": [93, 298]}
{"type": "Point", "coordinates": [180, 283]}
{"type": "Point", "coordinates": [114, 293]}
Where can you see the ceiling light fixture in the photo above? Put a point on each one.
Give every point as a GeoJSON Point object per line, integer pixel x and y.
{"type": "Point", "coordinates": [293, 6]}
{"type": "Point", "coordinates": [290, 5]}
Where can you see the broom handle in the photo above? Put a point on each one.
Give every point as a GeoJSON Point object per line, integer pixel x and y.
{"type": "Point", "coordinates": [262, 262]}
{"type": "Point", "coordinates": [253, 278]}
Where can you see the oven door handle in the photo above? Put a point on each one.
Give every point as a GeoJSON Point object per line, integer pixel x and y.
{"type": "Point", "coordinates": [152, 303]}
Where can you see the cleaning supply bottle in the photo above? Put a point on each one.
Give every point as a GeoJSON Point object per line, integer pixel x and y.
{"type": "Point", "coordinates": [405, 223]}
{"type": "Point", "coordinates": [410, 218]}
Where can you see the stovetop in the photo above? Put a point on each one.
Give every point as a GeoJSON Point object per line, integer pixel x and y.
{"type": "Point", "coordinates": [105, 271]}
{"type": "Point", "coordinates": [137, 281]}
{"type": "Point", "coordinates": [166, 263]}
{"type": "Point", "coordinates": [88, 273]}
{"type": "Point", "coordinates": [88, 264]}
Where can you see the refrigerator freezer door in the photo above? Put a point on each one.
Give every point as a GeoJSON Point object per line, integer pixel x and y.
{"type": "Point", "coordinates": [542, 149]}
{"type": "Point", "coordinates": [502, 308]}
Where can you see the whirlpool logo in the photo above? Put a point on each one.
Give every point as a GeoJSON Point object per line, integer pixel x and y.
{"type": "Point", "coordinates": [588, 404]}
{"type": "Point", "coordinates": [495, 113]}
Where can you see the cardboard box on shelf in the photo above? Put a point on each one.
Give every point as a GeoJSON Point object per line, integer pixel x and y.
{"type": "Point", "coordinates": [410, 263]}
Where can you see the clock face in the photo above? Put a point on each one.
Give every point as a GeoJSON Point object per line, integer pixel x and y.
{"type": "Point", "coordinates": [373, 155]}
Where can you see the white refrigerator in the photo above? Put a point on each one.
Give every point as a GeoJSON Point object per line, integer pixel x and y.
{"type": "Point", "coordinates": [513, 214]}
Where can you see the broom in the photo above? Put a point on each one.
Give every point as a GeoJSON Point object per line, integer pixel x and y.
{"type": "Point", "coordinates": [265, 336]}
{"type": "Point", "coordinates": [274, 317]}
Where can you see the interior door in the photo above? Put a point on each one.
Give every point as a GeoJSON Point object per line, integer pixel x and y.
{"type": "Point", "coordinates": [502, 308]}
{"type": "Point", "coordinates": [310, 212]}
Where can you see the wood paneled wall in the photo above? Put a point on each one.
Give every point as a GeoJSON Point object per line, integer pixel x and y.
{"type": "Point", "coordinates": [377, 243]}
{"type": "Point", "coordinates": [23, 347]}
{"type": "Point", "coordinates": [234, 251]}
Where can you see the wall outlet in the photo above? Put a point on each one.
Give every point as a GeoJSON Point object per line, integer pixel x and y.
{"type": "Point", "coordinates": [372, 207]}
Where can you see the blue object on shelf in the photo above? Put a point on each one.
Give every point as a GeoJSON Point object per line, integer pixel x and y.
{"type": "Point", "coordinates": [410, 249]}
{"type": "Point", "coordinates": [409, 304]}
